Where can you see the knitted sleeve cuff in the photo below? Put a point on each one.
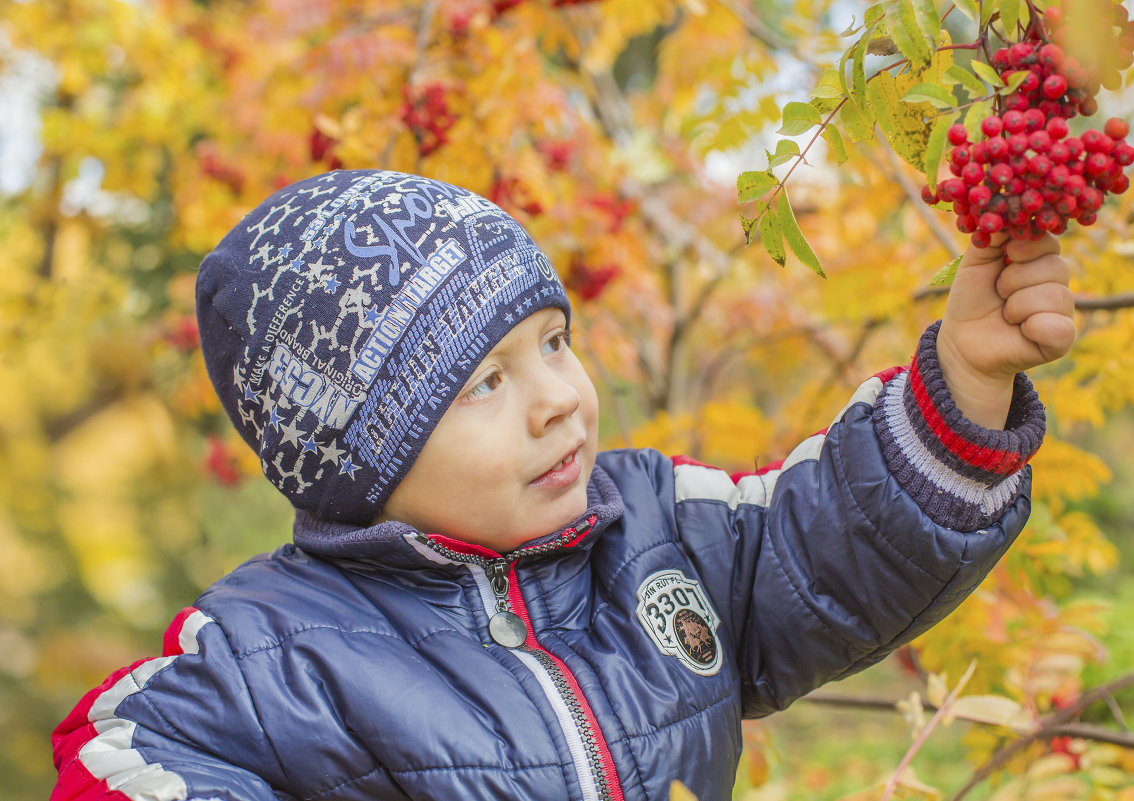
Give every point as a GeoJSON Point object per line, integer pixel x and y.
{"type": "Point", "coordinates": [961, 474]}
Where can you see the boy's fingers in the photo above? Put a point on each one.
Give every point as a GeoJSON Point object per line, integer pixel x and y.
{"type": "Point", "coordinates": [1048, 297]}
{"type": "Point", "coordinates": [1053, 333]}
{"type": "Point", "coordinates": [1030, 249]}
{"type": "Point", "coordinates": [1045, 269]}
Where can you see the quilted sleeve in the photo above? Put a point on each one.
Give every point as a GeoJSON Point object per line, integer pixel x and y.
{"type": "Point", "coordinates": [867, 534]}
{"type": "Point", "coordinates": [179, 726]}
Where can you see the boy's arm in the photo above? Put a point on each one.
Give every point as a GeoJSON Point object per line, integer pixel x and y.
{"type": "Point", "coordinates": [176, 727]}
{"type": "Point", "coordinates": [877, 528]}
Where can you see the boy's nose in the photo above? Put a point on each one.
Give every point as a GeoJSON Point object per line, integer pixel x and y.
{"type": "Point", "coordinates": [553, 399]}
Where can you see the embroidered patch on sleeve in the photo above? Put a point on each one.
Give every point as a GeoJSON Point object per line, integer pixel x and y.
{"type": "Point", "coordinates": [675, 612]}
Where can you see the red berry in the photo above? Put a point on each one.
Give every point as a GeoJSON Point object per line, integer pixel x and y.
{"type": "Point", "coordinates": [1017, 102]}
{"type": "Point", "coordinates": [1033, 120]}
{"type": "Point", "coordinates": [1124, 154]}
{"type": "Point", "coordinates": [1047, 218]}
{"type": "Point", "coordinates": [998, 148]}
{"type": "Point", "coordinates": [1001, 174]}
{"type": "Point", "coordinates": [1058, 175]}
{"type": "Point", "coordinates": [966, 223]}
{"type": "Point", "coordinates": [1058, 153]}
{"type": "Point", "coordinates": [960, 206]}
{"type": "Point", "coordinates": [1092, 141]}
{"type": "Point", "coordinates": [1074, 147]}
{"type": "Point", "coordinates": [981, 239]}
{"type": "Point", "coordinates": [1066, 205]}
{"type": "Point", "coordinates": [1087, 218]}
{"type": "Point", "coordinates": [1039, 141]}
{"type": "Point", "coordinates": [978, 197]}
{"type": "Point", "coordinates": [1090, 199]}
{"type": "Point", "coordinates": [1075, 185]}
{"type": "Point", "coordinates": [972, 173]}
{"type": "Point", "coordinates": [1016, 186]}
{"type": "Point", "coordinates": [1097, 164]}
{"type": "Point", "coordinates": [1121, 184]}
{"type": "Point", "coordinates": [1057, 127]}
{"type": "Point", "coordinates": [958, 134]}
{"type": "Point", "coordinates": [979, 152]}
{"type": "Point", "coordinates": [1053, 17]}
{"type": "Point", "coordinates": [928, 196]}
{"type": "Point", "coordinates": [1019, 164]}
{"type": "Point", "coordinates": [1051, 56]}
{"type": "Point", "coordinates": [1039, 165]}
{"type": "Point", "coordinates": [1017, 143]}
{"type": "Point", "coordinates": [991, 126]}
{"type": "Point", "coordinates": [961, 155]}
{"type": "Point", "coordinates": [1021, 54]}
{"type": "Point", "coordinates": [1088, 107]}
{"type": "Point", "coordinates": [1032, 201]}
{"type": "Point", "coordinates": [1029, 85]}
{"type": "Point", "coordinates": [1001, 60]}
{"type": "Point", "coordinates": [991, 222]}
{"type": "Point", "coordinates": [951, 189]}
{"type": "Point", "coordinates": [1013, 121]}
{"type": "Point", "coordinates": [1054, 86]}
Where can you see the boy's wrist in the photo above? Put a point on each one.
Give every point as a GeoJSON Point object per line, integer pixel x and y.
{"type": "Point", "coordinates": [983, 399]}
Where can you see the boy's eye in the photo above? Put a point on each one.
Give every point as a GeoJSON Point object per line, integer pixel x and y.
{"type": "Point", "coordinates": [557, 342]}
{"type": "Point", "coordinates": [485, 386]}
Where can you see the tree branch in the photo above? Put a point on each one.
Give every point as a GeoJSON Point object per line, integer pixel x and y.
{"type": "Point", "coordinates": [936, 227]}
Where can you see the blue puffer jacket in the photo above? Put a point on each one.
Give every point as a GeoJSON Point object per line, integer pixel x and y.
{"type": "Point", "coordinates": [362, 663]}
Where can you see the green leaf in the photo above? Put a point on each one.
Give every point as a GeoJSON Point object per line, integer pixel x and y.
{"type": "Point", "coordinates": [795, 238]}
{"type": "Point", "coordinates": [753, 184]}
{"type": "Point", "coordinates": [771, 236]}
{"type": "Point", "coordinates": [975, 116]}
{"type": "Point", "coordinates": [962, 76]}
{"type": "Point", "coordinates": [799, 118]}
{"type": "Point", "coordinates": [850, 29]}
{"type": "Point", "coordinates": [1014, 81]}
{"type": "Point", "coordinates": [935, 148]}
{"type": "Point", "coordinates": [829, 85]}
{"type": "Point", "coordinates": [927, 18]}
{"type": "Point", "coordinates": [987, 9]}
{"type": "Point", "coordinates": [749, 226]}
{"type": "Point", "coordinates": [834, 141]}
{"type": "Point", "coordinates": [904, 124]}
{"type": "Point", "coordinates": [786, 150]}
{"type": "Point", "coordinates": [987, 73]}
{"type": "Point", "coordinates": [874, 13]}
{"type": "Point", "coordinates": [1010, 16]}
{"type": "Point", "coordinates": [939, 96]}
{"type": "Point", "coordinates": [944, 276]}
{"type": "Point", "coordinates": [968, 8]}
{"type": "Point", "coordinates": [907, 35]}
{"type": "Point", "coordinates": [859, 123]}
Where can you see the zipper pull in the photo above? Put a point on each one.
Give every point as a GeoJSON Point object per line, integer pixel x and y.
{"type": "Point", "coordinates": [505, 627]}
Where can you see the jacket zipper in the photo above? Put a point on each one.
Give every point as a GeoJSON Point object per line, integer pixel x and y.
{"type": "Point", "coordinates": [513, 631]}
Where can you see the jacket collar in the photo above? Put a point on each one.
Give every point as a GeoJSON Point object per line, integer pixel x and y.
{"type": "Point", "coordinates": [393, 542]}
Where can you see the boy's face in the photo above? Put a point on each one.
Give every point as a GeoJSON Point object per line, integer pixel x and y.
{"type": "Point", "coordinates": [511, 458]}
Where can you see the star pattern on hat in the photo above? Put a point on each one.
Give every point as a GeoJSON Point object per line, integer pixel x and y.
{"type": "Point", "coordinates": [309, 445]}
{"type": "Point", "coordinates": [290, 433]}
{"type": "Point", "coordinates": [331, 453]}
{"type": "Point", "coordinates": [331, 284]}
{"type": "Point", "coordinates": [372, 315]}
{"type": "Point", "coordinates": [249, 395]}
{"type": "Point", "coordinates": [347, 467]}
{"type": "Point", "coordinates": [275, 419]}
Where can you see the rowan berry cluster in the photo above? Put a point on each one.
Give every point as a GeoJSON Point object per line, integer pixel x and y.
{"type": "Point", "coordinates": [427, 114]}
{"type": "Point", "coordinates": [1026, 174]}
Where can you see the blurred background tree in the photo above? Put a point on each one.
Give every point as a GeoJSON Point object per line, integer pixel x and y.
{"type": "Point", "coordinates": [136, 134]}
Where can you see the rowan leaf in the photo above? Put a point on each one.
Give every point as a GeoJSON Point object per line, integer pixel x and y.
{"type": "Point", "coordinates": [959, 74]}
{"type": "Point", "coordinates": [975, 116]}
{"type": "Point", "coordinates": [1010, 16]}
{"type": "Point", "coordinates": [771, 236]}
{"type": "Point", "coordinates": [799, 118]}
{"type": "Point", "coordinates": [835, 142]}
{"type": "Point", "coordinates": [968, 8]}
{"type": "Point", "coordinates": [753, 184]}
{"type": "Point", "coordinates": [927, 18]}
{"type": "Point", "coordinates": [1013, 83]}
{"type": "Point", "coordinates": [987, 73]}
{"type": "Point", "coordinates": [935, 148]}
{"type": "Point", "coordinates": [786, 150]}
{"type": "Point", "coordinates": [794, 236]}
{"type": "Point", "coordinates": [939, 96]}
{"type": "Point", "coordinates": [945, 276]}
{"type": "Point", "coordinates": [907, 35]}
{"type": "Point", "coordinates": [859, 123]}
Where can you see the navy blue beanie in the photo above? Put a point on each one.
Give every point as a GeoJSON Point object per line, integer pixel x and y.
{"type": "Point", "coordinates": [342, 316]}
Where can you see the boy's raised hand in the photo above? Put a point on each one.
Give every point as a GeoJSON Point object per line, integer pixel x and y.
{"type": "Point", "coordinates": [1001, 319]}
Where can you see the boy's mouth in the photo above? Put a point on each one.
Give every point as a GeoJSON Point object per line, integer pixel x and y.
{"type": "Point", "coordinates": [562, 474]}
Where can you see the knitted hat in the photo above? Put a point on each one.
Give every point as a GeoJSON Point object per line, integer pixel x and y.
{"type": "Point", "coordinates": [342, 316]}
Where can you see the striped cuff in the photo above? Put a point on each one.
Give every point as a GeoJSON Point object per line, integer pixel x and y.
{"type": "Point", "coordinates": [961, 474]}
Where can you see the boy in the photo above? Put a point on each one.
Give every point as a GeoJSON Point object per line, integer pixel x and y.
{"type": "Point", "coordinates": [477, 604]}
